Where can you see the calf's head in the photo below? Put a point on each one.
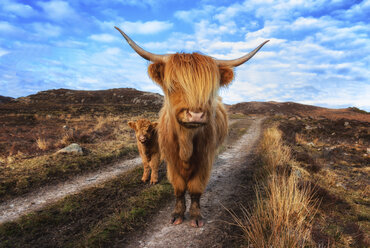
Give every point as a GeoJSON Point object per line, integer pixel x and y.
{"type": "Point", "coordinates": [144, 129]}
{"type": "Point", "coordinates": [190, 82]}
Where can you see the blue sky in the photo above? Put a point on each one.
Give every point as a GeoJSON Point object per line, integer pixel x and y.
{"type": "Point", "coordinates": [319, 51]}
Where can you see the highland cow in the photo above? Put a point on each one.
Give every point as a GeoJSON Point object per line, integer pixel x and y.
{"type": "Point", "coordinates": [147, 144]}
{"type": "Point", "coordinates": [193, 121]}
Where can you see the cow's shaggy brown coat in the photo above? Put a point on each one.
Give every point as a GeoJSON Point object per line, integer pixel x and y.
{"type": "Point", "coordinates": [147, 143]}
{"type": "Point", "coordinates": [190, 82]}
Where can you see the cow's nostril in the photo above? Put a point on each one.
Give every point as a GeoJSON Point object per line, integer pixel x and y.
{"type": "Point", "coordinates": [188, 114]}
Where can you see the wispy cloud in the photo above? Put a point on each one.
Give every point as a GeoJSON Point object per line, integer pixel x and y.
{"type": "Point", "coordinates": [18, 9]}
{"type": "Point", "coordinates": [103, 37]}
{"type": "Point", "coordinates": [3, 52]}
{"type": "Point", "coordinates": [6, 27]}
{"type": "Point", "coordinates": [46, 29]}
{"type": "Point", "coordinates": [149, 27]}
{"type": "Point", "coordinates": [194, 14]}
{"type": "Point", "coordinates": [57, 10]}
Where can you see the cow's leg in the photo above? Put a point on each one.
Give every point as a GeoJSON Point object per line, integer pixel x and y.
{"type": "Point", "coordinates": [154, 165]}
{"type": "Point", "coordinates": [179, 187]}
{"type": "Point", "coordinates": [146, 171]}
{"type": "Point", "coordinates": [180, 207]}
{"type": "Point", "coordinates": [196, 217]}
{"type": "Point", "coordinates": [196, 187]}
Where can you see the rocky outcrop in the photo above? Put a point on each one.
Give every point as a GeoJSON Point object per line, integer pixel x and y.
{"type": "Point", "coordinates": [73, 148]}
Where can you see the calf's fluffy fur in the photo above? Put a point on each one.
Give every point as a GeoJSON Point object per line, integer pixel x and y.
{"type": "Point", "coordinates": [147, 143]}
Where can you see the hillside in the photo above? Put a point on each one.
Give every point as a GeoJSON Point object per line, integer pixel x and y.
{"type": "Point", "coordinates": [5, 99]}
{"type": "Point", "coordinates": [80, 101]}
{"type": "Point", "coordinates": [291, 109]}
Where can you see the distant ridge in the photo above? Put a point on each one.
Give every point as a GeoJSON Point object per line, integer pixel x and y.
{"type": "Point", "coordinates": [111, 96]}
{"type": "Point", "coordinates": [297, 109]}
{"type": "Point", "coordinates": [5, 99]}
{"type": "Point", "coordinates": [83, 101]}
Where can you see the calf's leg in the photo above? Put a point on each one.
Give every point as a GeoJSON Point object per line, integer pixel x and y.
{"type": "Point", "coordinates": [146, 171]}
{"type": "Point", "coordinates": [154, 165]}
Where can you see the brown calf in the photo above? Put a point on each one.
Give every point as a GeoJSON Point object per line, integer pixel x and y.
{"type": "Point", "coordinates": [147, 144]}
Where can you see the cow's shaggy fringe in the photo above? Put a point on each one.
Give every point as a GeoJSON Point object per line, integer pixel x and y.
{"type": "Point", "coordinates": [283, 211]}
{"type": "Point", "coordinates": [197, 75]}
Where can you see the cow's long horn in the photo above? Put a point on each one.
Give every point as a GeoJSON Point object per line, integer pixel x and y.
{"type": "Point", "coordinates": [241, 60]}
{"type": "Point", "coordinates": [145, 54]}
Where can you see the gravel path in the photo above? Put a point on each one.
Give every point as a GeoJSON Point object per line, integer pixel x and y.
{"type": "Point", "coordinates": [224, 187]}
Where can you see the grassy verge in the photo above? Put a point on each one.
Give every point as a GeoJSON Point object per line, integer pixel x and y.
{"type": "Point", "coordinates": [95, 217]}
{"type": "Point", "coordinates": [283, 212]}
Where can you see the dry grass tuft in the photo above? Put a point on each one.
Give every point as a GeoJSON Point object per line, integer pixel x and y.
{"type": "Point", "coordinates": [272, 152]}
{"type": "Point", "coordinates": [283, 212]}
{"type": "Point", "coordinates": [42, 144]}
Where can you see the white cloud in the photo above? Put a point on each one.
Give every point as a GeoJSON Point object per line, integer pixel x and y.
{"type": "Point", "coordinates": [6, 27]}
{"type": "Point", "coordinates": [226, 13]}
{"type": "Point", "coordinates": [70, 43]}
{"type": "Point", "coordinates": [193, 14]}
{"type": "Point", "coordinates": [103, 38]}
{"type": "Point", "coordinates": [58, 10]}
{"type": "Point", "coordinates": [149, 27]}
{"type": "Point", "coordinates": [47, 29]}
{"type": "Point", "coordinates": [3, 52]}
{"type": "Point", "coordinates": [359, 10]}
{"type": "Point", "coordinates": [18, 9]}
{"type": "Point", "coordinates": [142, 3]}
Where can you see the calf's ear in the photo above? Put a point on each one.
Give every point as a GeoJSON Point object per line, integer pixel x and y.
{"type": "Point", "coordinates": [132, 124]}
{"type": "Point", "coordinates": [154, 124]}
{"type": "Point", "coordinates": [226, 76]}
{"type": "Point", "coordinates": [156, 72]}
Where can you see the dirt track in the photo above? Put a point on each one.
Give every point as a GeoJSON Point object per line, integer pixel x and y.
{"type": "Point", "coordinates": [231, 180]}
{"type": "Point", "coordinates": [14, 208]}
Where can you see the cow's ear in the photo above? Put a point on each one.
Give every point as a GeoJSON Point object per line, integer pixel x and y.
{"type": "Point", "coordinates": [154, 124]}
{"type": "Point", "coordinates": [226, 75]}
{"type": "Point", "coordinates": [156, 72]}
{"type": "Point", "coordinates": [132, 124]}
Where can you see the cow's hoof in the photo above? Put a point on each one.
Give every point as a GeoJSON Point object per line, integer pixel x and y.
{"type": "Point", "coordinates": [177, 220]}
{"type": "Point", "coordinates": [153, 182]}
{"type": "Point", "coordinates": [197, 223]}
{"type": "Point", "coordinates": [144, 180]}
